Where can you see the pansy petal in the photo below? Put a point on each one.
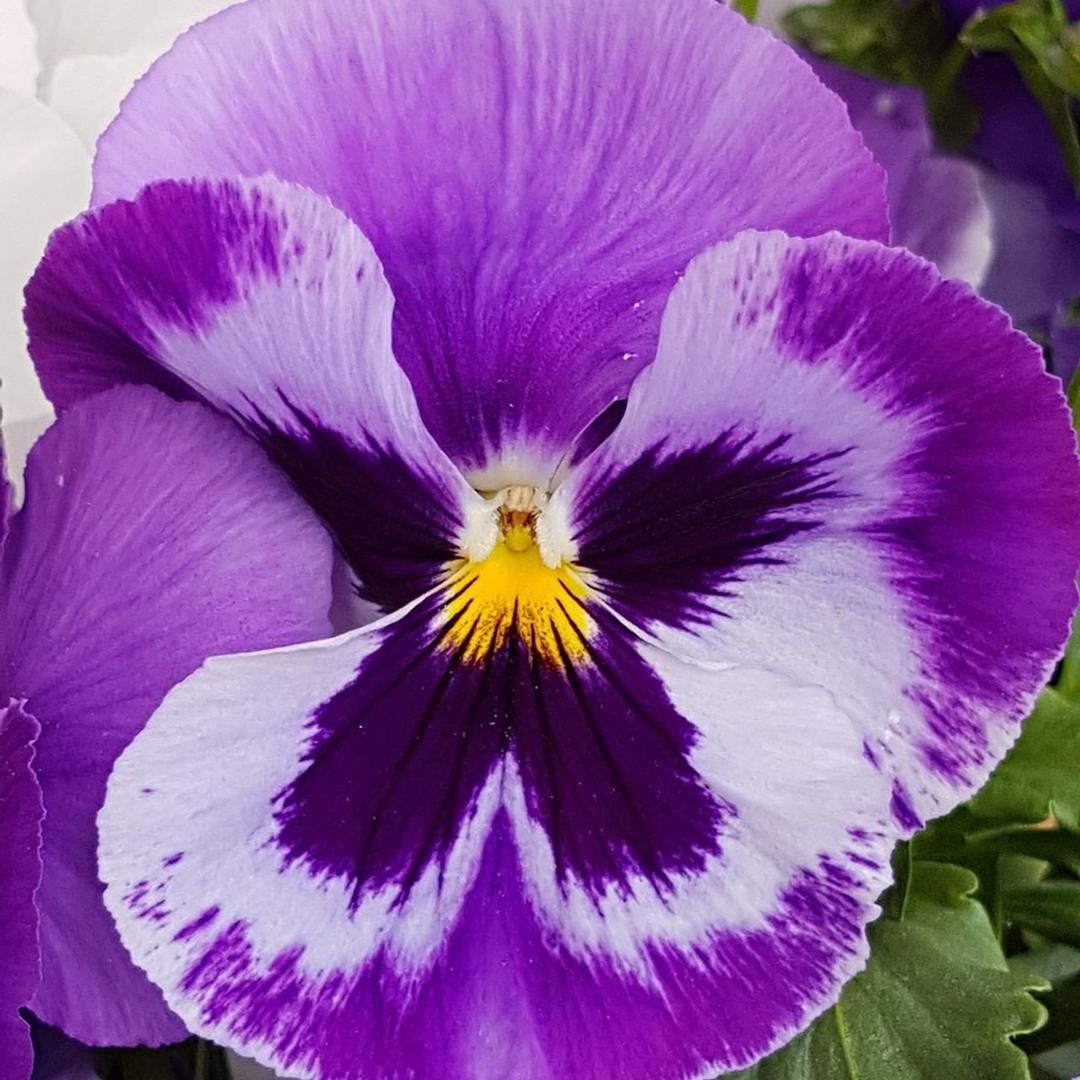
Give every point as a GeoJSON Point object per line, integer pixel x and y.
{"type": "Point", "coordinates": [848, 470]}
{"type": "Point", "coordinates": [1035, 274]}
{"type": "Point", "coordinates": [20, 872]}
{"type": "Point", "coordinates": [265, 301]}
{"type": "Point", "coordinates": [466, 849]}
{"type": "Point", "coordinates": [533, 175]}
{"type": "Point", "coordinates": [18, 60]}
{"type": "Point", "coordinates": [153, 534]}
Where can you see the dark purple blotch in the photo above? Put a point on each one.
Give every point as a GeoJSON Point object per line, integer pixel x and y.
{"type": "Point", "coordinates": [398, 757]}
{"type": "Point", "coordinates": [669, 533]}
{"type": "Point", "coordinates": [396, 527]}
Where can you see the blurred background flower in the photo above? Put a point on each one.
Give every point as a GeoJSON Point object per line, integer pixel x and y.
{"type": "Point", "coordinates": [65, 65]}
{"type": "Point", "coordinates": [998, 83]}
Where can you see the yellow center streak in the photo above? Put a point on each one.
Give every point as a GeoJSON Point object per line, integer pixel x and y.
{"type": "Point", "coordinates": [513, 591]}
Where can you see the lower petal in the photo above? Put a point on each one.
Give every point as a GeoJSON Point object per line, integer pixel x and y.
{"type": "Point", "coordinates": [20, 872]}
{"type": "Point", "coordinates": [464, 853]}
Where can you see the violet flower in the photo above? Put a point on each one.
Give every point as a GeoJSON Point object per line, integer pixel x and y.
{"type": "Point", "coordinates": [1035, 273]}
{"type": "Point", "coordinates": [152, 535]}
{"type": "Point", "coordinates": [935, 201]}
{"type": "Point", "coordinates": [687, 618]}
{"type": "Point", "coordinates": [1014, 137]}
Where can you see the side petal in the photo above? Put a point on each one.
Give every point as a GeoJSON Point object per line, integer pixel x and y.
{"type": "Point", "coordinates": [845, 469]}
{"type": "Point", "coordinates": [153, 535]}
{"type": "Point", "coordinates": [266, 302]}
{"type": "Point", "coordinates": [20, 872]}
{"type": "Point", "coordinates": [533, 175]}
{"type": "Point", "coordinates": [437, 865]}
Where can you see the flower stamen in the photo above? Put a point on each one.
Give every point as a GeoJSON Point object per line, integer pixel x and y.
{"type": "Point", "coordinates": [512, 590]}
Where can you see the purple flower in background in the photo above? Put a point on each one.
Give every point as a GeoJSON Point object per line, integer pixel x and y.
{"type": "Point", "coordinates": [1035, 272]}
{"type": "Point", "coordinates": [152, 536]}
{"type": "Point", "coordinates": [56, 1057]}
{"type": "Point", "coordinates": [935, 202]}
{"type": "Point", "coordinates": [673, 530]}
{"type": "Point", "coordinates": [1014, 137]}
{"type": "Point", "coordinates": [20, 874]}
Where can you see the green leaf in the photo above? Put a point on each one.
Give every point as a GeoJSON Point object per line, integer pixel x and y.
{"type": "Point", "coordinates": [963, 838]}
{"type": "Point", "coordinates": [1061, 965]}
{"type": "Point", "coordinates": [936, 1000]}
{"type": "Point", "coordinates": [1046, 52]}
{"type": "Point", "coordinates": [894, 40]}
{"type": "Point", "coordinates": [1074, 393]}
{"type": "Point", "coordinates": [194, 1058]}
{"type": "Point", "coordinates": [1040, 776]}
{"type": "Point", "coordinates": [1038, 28]}
{"type": "Point", "coordinates": [1050, 908]}
{"type": "Point", "coordinates": [746, 8]}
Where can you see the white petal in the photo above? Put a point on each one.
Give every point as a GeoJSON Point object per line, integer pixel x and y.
{"type": "Point", "coordinates": [69, 28]}
{"type": "Point", "coordinates": [87, 90]}
{"type": "Point", "coordinates": [44, 179]}
{"type": "Point", "coordinates": [17, 440]}
{"type": "Point", "coordinates": [18, 54]}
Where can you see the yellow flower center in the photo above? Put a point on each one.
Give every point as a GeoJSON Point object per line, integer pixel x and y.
{"type": "Point", "coordinates": [513, 591]}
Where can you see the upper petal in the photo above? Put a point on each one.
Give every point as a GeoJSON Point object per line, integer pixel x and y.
{"type": "Point", "coordinates": [533, 175]}
{"type": "Point", "coordinates": [20, 871]}
{"type": "Point", "coordinates": [266, 302]}
{"type": "Point", "coordinates": [845, 469]}
{"type": "Point", "coordinates": [153, 535]}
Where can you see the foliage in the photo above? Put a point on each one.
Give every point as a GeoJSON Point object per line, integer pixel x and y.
{"type": "Point", "coordinates": [907, 41]}
{"type": "Point", "coordinates": [936, 999]}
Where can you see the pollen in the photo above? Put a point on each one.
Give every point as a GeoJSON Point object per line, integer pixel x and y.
{"type": "Point", "coordinates": [513, 594]}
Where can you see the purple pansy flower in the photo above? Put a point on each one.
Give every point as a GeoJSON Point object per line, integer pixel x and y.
{"type": "Point", "coordinates": [1035, 272]}
{"type": "Point", "coordinates": [935, 202]}
{"type": "Point", "coordinates": [152, 535]}
{"type": "Point", "coordinates": [1014, 138]}
{"type": "Point", "coordinates": [709, 563]}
